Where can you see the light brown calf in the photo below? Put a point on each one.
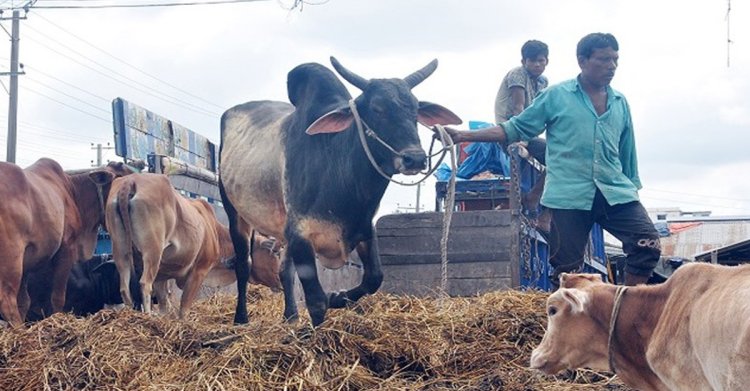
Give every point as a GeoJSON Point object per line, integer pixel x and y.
{"type": "Point", "coordinates": [175, 237]}
{"type": "Point", "coordinates": [690, 333]}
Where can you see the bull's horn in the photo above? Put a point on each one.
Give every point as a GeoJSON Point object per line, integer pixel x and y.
{"type": "Point", "coordinates": [419, 76]}
{"type": "Point", "coordinates": [356, 80]}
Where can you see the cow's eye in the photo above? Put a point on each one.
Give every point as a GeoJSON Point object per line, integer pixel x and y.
{"type": "Point", "coordinates": [379, 110]}
{"type": "Point", "coordinates": [551, 311]}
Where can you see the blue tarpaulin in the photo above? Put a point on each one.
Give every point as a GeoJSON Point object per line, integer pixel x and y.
{"type": "Point", "coordinates": [481, 157]}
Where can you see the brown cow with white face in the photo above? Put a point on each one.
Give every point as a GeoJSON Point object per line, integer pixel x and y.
{"type": "Point", "coordinates": [690, 333]}
{"type": "Point", "coordinates": [48, 221]}
{"type": "Point", "coordinates": [175, 237]}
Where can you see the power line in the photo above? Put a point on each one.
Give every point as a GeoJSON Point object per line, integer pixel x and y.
{"type": "Point", "coordinates": [71, 85]}
{"type": "Point", "coordinates": [699, 195]}
{"type": "Point", "coordinates": [130, 65]}
{"type": "Point", "coordinates": [729, 38]}
{"type": "Point", "coordinates": [705, 204]}
{"type": "Point", "coordinates": [65, 135]}
{"type": "Point", "coordinates": [145, 5]}
{"type": "Point", "coordinates": [107, 111]}
{"type": "Point", "coordinates": [147, 90]}
{"type": "Point", "coordinates": [67, 105]}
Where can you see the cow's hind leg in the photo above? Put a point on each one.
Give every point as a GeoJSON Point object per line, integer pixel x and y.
{"type": "Point", "coordinates": [739, 364]}
{"type": "Point", "coordinates": [372, 277]}
{"type": "Point", "coordinates": [123, 261]}
{"type": "Point", "coordinates": [10, 282]}
{"type": "Point", "coordinates": [161, 289]}
{"type": "Point", "coordinates": [287, 282]}
{"type": "Point", "coordinates": [301, 253]}
{"type": "Point", "coordinates": [151, 262]}
{"type": "Point", "coordinates": [239, 232]}
{"type": "Point", "coordinates": [24, 300]}
{"type": "Point", "coordinates": [63, 262]}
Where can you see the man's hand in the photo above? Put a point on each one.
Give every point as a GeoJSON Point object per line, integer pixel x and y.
{"type": "Point", "coordinates": [455, 134]}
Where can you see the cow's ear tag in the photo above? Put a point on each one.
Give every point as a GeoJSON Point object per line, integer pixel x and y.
{"type": "Point", "coordinates": [332, 122]}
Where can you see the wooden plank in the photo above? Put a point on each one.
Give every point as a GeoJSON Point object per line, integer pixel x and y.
{"type": "Point", "coordinates": [433, 259]}
{"type": "Point", "coordinates": [434, 272]}
{"type": "Point", "coordinates": [416, 238]}
{"type": "Point", "coordinates": [484, 218]}
{"type": "Point", "coordinates": [463, 279]}
{"type": "Point", "coordinates": [465, 240]}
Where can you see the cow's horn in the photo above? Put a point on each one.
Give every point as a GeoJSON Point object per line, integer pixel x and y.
{"type": "Point", "coordinates": [356, 80]}
{"type": "Point", "coordinates": [419, 76]}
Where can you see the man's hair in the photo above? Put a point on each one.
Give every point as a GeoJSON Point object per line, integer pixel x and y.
{"type": "Point", "coordinates": [589, 43]}
{"type": "Point", "coordinates": [533, 48]}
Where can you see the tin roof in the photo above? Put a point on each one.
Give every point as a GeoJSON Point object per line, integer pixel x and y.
{"type": "Point", "coordinates": [691, 237]}
{"type": "Point", "coordinates": [734, 253]}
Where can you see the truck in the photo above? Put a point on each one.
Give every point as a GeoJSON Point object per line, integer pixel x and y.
{"type": "Point", "coordinates": [493, 241]}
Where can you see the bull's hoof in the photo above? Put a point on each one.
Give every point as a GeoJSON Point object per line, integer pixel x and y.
{"type": "Point", "coordinates": [240, 319]}
{"type": "Point", "coordinates": [339, 300]}
{"type": "Point", "coordinates": [291, 318]}
{"type": "Point", "coordinates": [305, 333]}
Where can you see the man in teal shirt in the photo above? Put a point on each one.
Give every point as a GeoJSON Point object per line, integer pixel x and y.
{"type": "Point", "coordinates": [592, 170]}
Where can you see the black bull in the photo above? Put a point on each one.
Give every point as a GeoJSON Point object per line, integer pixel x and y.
{"type": "Point", "coordinates": [331, 190]}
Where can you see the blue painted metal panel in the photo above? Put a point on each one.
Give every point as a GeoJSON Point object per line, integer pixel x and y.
{"type": "Point", "coordinates": [103, 243]}
{"type": "Point", "coordinates": [139, 132]}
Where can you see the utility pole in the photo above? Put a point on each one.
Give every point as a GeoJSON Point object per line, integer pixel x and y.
{"type": "Point", "coordinates": [14, 72]}
{"type": "Point", "coordinates": [99, 149]}
{"type": "Point", "coordinates": [10, 155]}
{"type": "Point", "coordinates": [416, 209]}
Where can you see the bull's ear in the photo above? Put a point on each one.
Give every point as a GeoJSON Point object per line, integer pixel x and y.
{"type": "Point", "coordinates": [564, 277]}
{"type": "Point", "coordinates": [576, 298]}
{"type": "Point", "coordinates": [333, 122]}
{"type": "Point", "coordinates": [101, 177]}
{"type": "Point", "coordinates": [430, 114]}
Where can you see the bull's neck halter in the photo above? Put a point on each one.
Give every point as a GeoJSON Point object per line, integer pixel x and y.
{"type": "Point", "coordinates": [363, 129]}
{"type": "Point", "coordinates": [619, 293]}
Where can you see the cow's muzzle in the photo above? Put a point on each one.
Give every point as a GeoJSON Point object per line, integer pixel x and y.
{"type": "Point", "coordinates": [411, 161]}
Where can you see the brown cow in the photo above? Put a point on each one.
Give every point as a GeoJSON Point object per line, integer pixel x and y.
{"type": "Point", "coordinates": [176, 237]}
{"type": "Point", "coordinates": [690, 333]}
{"type": "Point", "coordinates": [265, 256]}
{"type": "Point", "coordinates": [49, 220]}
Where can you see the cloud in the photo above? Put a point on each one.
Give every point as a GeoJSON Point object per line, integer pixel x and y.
{"type": "Point", "coordinates": [688, 105]}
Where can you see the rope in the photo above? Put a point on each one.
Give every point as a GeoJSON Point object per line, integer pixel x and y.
{"type": "Point", "coordinates": [619, 293]}
{"type": "Point", "coordinates": [448, 211]}
{"type": "Point", "coordinates": [361, 126]}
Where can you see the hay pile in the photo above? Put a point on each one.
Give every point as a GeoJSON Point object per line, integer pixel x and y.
{"type": "Point", "coordinates": [383, 342]}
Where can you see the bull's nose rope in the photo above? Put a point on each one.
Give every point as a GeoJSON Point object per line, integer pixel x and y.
{"type": "Point", "coordinates": [364, 130]}
{"type": "Point", "coordinates": [619, 293]}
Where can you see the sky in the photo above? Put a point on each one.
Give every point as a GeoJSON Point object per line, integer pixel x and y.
{"type": "Point", "coordinates": [688, 88]}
